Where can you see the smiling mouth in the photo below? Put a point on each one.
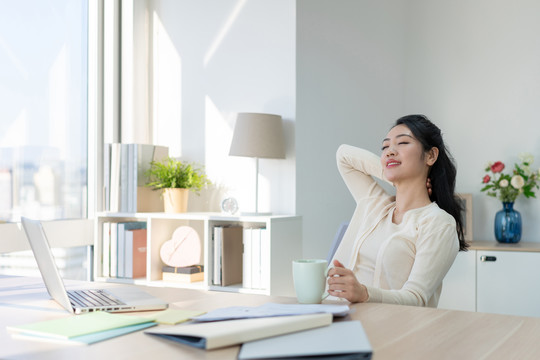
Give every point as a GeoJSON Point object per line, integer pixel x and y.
{"type": "Point", "coordinates": [392, 163]}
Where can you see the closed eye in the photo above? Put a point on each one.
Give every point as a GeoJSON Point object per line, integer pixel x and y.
{"type": "Point", "coordinates": [384, 147]}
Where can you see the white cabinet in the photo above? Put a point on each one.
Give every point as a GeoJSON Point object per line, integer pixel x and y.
{"type": "Point", "coordinates": [508, 282]}
{"type": "Point", "coordinates": [285, 234]}
{"type": "Point", "coordinates": [495, 278]}
{"type": "Point", "coordinates": [459, 284]}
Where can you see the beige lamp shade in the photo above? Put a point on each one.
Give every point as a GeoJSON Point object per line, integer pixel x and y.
{"type": "Point", "coordinates": [258, 136]}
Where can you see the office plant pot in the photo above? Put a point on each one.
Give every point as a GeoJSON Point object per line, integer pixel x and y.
{"type": "Point", "coordinates": [175, 200]}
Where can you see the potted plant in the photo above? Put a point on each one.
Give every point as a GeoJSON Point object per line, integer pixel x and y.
{"type": "Point", "coordinates": [175, 178]}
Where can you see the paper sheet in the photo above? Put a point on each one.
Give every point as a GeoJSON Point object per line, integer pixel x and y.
{"type": "Point", "coordinates": [271, 309]}
{"type": "Point", "coordinates": [173, 316]}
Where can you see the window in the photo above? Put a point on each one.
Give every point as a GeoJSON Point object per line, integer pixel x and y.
{"type": "Point", "coordinates": [43, 117]}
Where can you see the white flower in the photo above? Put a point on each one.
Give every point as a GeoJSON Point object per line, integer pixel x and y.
{"type": "Point", "coordinates": [526, 157]}
{"type": "Point", "coordinates": [517, 181]}
{"type": "Point", "coordinates": [503, 183]}
{"type": "Point", "coordinates": [527, 170]}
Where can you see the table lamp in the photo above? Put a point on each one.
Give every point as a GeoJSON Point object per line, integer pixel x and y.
{"type": "Point", "coordinates": [258, 136]}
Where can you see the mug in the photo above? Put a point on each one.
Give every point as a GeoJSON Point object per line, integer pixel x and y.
{"type": "Point", "coordinates": [309, 277]}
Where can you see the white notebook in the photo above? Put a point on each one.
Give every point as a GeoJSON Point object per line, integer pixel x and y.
{"type": "Point", "coordinates": [341, 340]}
{"type": "Point", "coordinates": [213, 335]}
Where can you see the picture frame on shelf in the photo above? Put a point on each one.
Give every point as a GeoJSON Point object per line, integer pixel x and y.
{"type": "Point", "coordinates": [467, 203]}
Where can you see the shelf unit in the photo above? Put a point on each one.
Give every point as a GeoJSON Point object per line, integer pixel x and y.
{"type": "Point", "coordinates": [285, 234]}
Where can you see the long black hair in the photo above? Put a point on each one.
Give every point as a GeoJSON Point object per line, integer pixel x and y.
{"type": "Point", "coordinates": [442, 173]}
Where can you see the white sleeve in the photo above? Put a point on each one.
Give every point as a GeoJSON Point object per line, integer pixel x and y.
{"type": "Point", "coordinates": [357, 166]}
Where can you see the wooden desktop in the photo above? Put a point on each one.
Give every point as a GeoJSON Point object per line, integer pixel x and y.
{"type": "Point", "coordinates": [395, 332]}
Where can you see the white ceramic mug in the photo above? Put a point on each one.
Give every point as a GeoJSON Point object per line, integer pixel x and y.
{"type": "Point", "coordinates": [309, 277]}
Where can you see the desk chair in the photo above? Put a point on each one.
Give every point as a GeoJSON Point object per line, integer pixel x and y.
{"type": "Point", "coordinates": [337, 240]}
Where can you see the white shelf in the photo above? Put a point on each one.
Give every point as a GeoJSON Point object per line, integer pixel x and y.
{"type": "Point", "coordinates": [285, 245]}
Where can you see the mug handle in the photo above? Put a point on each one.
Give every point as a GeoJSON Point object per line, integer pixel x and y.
{"type": "Point", "coordinates": [325, 294]}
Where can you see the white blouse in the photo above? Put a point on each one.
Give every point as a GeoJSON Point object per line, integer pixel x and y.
{"type": "Point", "coordinates": [400, 264]}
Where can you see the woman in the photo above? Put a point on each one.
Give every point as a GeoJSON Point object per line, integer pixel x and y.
{"type": "Point", "coordinates": [398, 249]}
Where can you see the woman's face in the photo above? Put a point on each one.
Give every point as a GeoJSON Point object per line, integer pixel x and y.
{"type": "Point", "coordinates": [403, 156]}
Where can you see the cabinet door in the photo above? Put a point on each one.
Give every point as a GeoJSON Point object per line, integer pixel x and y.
{"type": "Point", "coordinates": [459, 284]}
{"type": "Point", "coordinates": [508, 282]}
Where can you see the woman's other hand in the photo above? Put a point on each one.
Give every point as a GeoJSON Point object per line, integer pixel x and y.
{"type": "Point", "coordinates": [343, 284]}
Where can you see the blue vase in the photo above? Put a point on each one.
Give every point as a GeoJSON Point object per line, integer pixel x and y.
{"type": "Point", "coordinates": [508, 224]}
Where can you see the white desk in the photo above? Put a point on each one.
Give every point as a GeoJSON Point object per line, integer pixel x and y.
{"type": "Point", "coordinates": [395, 332]}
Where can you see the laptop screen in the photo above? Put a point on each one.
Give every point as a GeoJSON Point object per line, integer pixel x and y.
{"type": "Point", "coordinates": [45, 260]}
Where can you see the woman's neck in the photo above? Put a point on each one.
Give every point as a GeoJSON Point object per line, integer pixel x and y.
{"type": "Point", "coordinates": [409, 197]}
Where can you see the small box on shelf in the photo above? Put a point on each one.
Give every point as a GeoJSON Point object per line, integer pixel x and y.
{"type": "Point", "coordinates": [187, 274]}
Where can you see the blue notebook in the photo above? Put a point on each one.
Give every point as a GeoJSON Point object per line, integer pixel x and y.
{"type": "Point", "coordinates": [340, 340]}
{"type": "Point", "coordinates": [88, 338]}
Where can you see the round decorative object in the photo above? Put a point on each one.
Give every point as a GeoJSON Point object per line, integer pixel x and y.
{"type": "Point", "coordinates": [229, 205]}
{"type": "Point", "coordinates": [184, 249]}
{"type": "Point", "coordinates": [508, 224]}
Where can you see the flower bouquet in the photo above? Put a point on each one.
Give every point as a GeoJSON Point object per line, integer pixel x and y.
{"type": "Point", "coordinates": [507, 187]}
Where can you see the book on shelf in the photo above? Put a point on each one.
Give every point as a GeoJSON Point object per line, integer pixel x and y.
{"type": "Point", "coordinates": [186, 274]}
{"type": "Point", "coordinates": [106, 250]}
{"type": "Point", "coordinates": [256, 258]}
{"type": "Point", "coordinates": [228, 255]}
{"type": "Point", "coordinates": [217, 241]}
{"type": "Point", "coordinates": [246, 259]}
{"type": "Point", "coordinates": [135, 238]}
{"type": "Point", "coordinates": [124, 249]}
{"type": "Point", "coordinates": [113, 256]}
{"type": "Point", "coordinates": [125, 167]}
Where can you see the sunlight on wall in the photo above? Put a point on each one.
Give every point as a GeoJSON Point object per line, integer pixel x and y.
{"type": "Point", "coordinates": [167, 90]}
{"type": "Point", "coordinates": [223, 32]}
{"type": "Point", "coordinates": [225, 170]}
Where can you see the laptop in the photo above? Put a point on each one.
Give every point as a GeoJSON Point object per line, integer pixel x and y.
{"type": "Point", "coordinates": [117, 299]}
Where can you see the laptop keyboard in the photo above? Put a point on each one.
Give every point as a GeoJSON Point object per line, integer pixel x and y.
{"type": "Point", "coordinates": [92, 298]}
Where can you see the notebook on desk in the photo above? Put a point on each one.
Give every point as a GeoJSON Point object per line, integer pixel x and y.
{"type": "Point", "coordinates": [343, 340]}
{"type": "Point", "coordinates": [118, 299]}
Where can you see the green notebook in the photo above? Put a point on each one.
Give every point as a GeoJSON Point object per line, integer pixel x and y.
{"type": "Point", "coordinates": [78, 325]}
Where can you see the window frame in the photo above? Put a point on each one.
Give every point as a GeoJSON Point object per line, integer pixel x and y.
{"type": "Point", "coordinates": [79, 232]}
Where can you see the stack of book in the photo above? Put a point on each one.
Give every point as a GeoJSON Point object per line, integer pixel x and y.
{"type": "Point", "coordinates": [124, 249]}
{"type": "Point", "coordinates": [256, 258]}
{"type": "Point", "coordinates": [124, 177]}
{"type": "Point", "coordinates": [187, 274]}
{"type": "Point", "coordinates": [82, 329]}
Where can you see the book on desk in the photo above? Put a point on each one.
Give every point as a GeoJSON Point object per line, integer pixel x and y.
{"type": "Point", "coordinates": [214, 335]}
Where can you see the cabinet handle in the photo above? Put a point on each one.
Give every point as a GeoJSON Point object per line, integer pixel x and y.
{"type": "Point", "coordinates": [485, 258]}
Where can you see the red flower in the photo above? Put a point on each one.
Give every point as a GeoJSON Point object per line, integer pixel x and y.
{"type": "Point", "coordinates": [486, 179]}
{"type": "Point", "coordinates": [497, 167]}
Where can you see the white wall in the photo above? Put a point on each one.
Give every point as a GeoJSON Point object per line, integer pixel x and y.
{"type": "Point", "coordinates": [213, 59]}
{"type": "Point", "coordinates": [349, 90]}
{"type": "Point", "coordinates": [471, 66]}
